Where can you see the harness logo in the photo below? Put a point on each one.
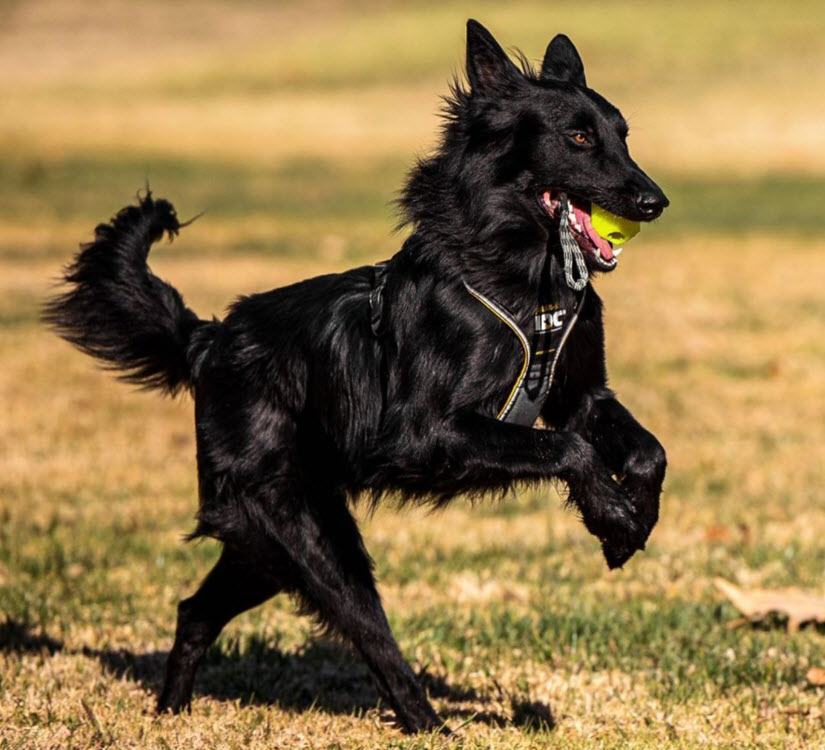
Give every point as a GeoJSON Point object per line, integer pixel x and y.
{"type": "Point", "coordinates": [552, 320]}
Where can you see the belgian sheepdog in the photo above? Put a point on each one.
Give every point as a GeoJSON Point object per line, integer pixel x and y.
{"type": "Point", "coordinates": [471, 361]}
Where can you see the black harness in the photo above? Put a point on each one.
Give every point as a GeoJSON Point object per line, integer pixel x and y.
{"type": "Point", "coordinates": [541, 345]}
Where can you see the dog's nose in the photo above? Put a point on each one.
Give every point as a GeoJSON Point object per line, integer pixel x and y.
{"type": "Point", "coordinates": [651, 204]}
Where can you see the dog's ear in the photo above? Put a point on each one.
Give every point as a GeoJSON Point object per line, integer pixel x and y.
{"type": "Point", "coordinates": [562, 62]}
{"type": "Point", "coordinates": [489, 69]}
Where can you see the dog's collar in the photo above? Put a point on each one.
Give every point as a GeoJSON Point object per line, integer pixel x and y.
{"type": "Point", "coordinates": [541, 347]}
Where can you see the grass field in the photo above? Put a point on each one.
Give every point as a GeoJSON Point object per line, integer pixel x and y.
{"type": "Point", "coordinates": [292, 125]}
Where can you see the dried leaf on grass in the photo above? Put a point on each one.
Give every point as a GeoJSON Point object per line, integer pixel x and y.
{"type": "Point", "coordinates": [815, 676]}
{"type": "Point", "coordinates": [719, 533]}
{"type": "Point", "coordinates": [755, 604]}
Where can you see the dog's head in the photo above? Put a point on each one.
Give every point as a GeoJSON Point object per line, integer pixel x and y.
{"type": "Point", "coordinates": [544, 134]}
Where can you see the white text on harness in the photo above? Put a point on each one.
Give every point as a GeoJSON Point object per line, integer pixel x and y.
{"type": "Point", "coordinates": [552, 320]}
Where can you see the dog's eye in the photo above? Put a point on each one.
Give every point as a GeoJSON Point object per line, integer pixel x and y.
{"type": "Point", "coordinates": [580, 138]}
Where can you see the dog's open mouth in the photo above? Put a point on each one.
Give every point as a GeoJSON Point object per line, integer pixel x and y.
{"type": "Point", "coordinates": [598, 251]}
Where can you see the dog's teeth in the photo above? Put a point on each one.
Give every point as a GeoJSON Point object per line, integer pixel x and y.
{"type": "Point", "coordinates": [617, 251]}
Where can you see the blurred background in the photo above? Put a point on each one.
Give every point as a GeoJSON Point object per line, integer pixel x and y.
{"type": "Point", "coordinates": [292, 125]}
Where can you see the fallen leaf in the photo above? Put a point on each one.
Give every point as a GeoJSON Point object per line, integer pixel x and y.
{"type": "Point", "coordinates": [815, 676]}
{"type": "Point", "coordinates": [797, 605]}
{"type": "Point", "coordinates": [718, 534]}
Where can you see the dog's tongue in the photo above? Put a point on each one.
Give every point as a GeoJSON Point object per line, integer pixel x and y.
{"type": "Point", "coordinates": [583, 217]}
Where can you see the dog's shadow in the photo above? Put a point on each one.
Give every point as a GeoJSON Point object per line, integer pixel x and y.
{"type": "Point", "coordinates": [325, 675]}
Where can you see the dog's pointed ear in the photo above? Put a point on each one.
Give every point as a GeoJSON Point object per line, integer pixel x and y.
{"type": "Point", "coordinates": [489, 70]}
{"type": "Point", "coordinates": [562, 62]}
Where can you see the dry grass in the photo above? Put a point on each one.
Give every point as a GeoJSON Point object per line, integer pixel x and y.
{"type": "Point", "coordinates": [106, 476]}
{"type": "Point", "coordinates": [714, 341]}
{"type": "Point", "coordinates": [708, 86]}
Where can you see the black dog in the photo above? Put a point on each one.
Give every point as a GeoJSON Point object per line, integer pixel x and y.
{"type": "Point", "coordinates": [398, 378]}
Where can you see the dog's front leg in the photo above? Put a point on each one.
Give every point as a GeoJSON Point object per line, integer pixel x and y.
{"type": "Point", "coordinates": [487, 453]}
{"type": "Point", "coordinates": [633, 454]}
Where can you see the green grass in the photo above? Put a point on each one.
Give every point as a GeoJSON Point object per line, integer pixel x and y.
{"type": "Point", "coordinates": [785, 204]}
{"type": "Point", "coordinates": [297, 190]}
{"type": "Point", "coordinates": [67, 572]}
{"type": "Point", "coordinates": [304, 197]}
{"type": "Point", "coordinates": [677, 648]}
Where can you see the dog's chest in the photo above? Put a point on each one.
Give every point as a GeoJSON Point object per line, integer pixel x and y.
{"type": "Point", "coordinates": [524, 355]}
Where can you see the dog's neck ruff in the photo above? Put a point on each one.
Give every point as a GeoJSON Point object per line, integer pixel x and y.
{"type": "Point", "coordinates": [541, 347]}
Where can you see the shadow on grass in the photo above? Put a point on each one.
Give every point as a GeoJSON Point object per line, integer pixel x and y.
{"type": "Point", "coordinates": [325, 675]}
{"type": "Point", "coordinates": [16, 637]}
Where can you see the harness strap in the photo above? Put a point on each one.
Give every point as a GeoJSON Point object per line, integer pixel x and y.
{"type": "Point", "coordinates": [541, 350]}
{"type": "Point", "coordinates": [541, 346]}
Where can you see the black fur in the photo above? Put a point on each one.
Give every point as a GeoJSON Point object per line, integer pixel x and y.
{"type": "Point", "coordinates": [300, 407]}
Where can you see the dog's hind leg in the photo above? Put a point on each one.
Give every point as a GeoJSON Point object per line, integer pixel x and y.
{"type": "Point", "coordinates": [335, 581]}
{"type": "Point", "coordinates": [234, 585]}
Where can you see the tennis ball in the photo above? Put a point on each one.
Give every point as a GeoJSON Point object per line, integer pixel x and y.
{"type": "Point", "coordinates": [612, 228]}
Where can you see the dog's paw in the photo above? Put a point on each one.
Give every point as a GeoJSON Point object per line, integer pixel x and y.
{"type": "Point", "coordinates": [642, 478]}
{"type": "Point", "coordinates": [608, 513]}
{"type": "Point", "coordinates": [645, 499]}
{"type": "Point", "coordinates": [618, 551]}
{"type": "Point", "coordinates": [621, 531]}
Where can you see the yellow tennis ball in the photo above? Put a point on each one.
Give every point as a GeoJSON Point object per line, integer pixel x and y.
{"type": "Point", "coordinates": [612, 228]}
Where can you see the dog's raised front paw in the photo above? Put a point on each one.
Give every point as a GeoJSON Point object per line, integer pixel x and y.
{"type": "Point", "coordinates": [608, 512]}
{"type": "Point", "coordinates": [622, 532]}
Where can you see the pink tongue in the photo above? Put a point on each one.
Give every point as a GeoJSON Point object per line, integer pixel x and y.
{"type": "Point", "coordinates": [583, 217]}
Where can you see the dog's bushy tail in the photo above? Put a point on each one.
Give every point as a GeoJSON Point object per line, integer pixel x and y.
{"type": "Point", "coordinates": [118, 311]}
